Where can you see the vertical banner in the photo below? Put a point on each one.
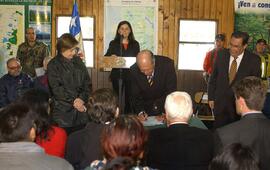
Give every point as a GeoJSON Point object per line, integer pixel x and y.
{"type": "Point", "coordinates": [253, 17]}
{"type": "Point", "coordinates": [15, 17]}
{"type": "Point", "coordinates": [141, 14]}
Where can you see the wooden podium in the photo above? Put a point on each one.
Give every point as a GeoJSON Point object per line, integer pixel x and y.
{"type": "Point", "coordinates": [107, 63]}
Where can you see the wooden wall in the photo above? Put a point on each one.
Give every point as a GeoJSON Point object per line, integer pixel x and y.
{"type": "Point", "coordinates": [170, 11]}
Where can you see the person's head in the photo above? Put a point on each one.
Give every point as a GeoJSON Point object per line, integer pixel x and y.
{"type": "Point", "coordinates": [260, 46]}
{"type": "Point", "coordinates": [30, 34]}
{"type": "Point", "coordinates": [250, 94]}
{"type": "Point", "coordinates": [38, 100]}
{"type": "Point", "coordinates": [124, 28]}
{"type": "Point", "coordinates": [17, 123]}
{"type": "Point", "coordinates": [178, 107]}
{"type": "Point", "coordinates": [124, 137]}
{"type": "Point", "coordinates": [145, 60]}
{"type": "Point", "coordinates": [67, 45]}
{"type": "Point", "coordinates": [219, 41]}
{"type": "Point", "coordinates": [14, 67]}
{"type": "Point", "coordinates": [238, 43]}
{"type": "Point", "coordinates": [102, 106]}
{"type": "Point", "coordinates": [235, 157]}
{"type": "Point", "coordinates": [46, 61]}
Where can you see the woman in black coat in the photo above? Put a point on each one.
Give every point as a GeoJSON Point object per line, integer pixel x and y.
{"type": "Point", "coordinates": [124, 45]}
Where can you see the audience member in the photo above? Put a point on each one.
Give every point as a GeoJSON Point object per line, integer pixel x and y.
{"type": "Point", "coordinates": [153, 77]}
{"type": "Point", "coordinates": [31, 53]}
{"type": "Point", "coordinates": [251, 130]}
{"type": "Point", "coordinates": [41, 82]}
{"type": "Point", "coordinates": [123, 138]}
{"type": "Point", "coordinates": [235, 157]}
{"type": "Point", "coordinates": [83, 146]}
{"type": "Point", "coordinates": [14, 83]}
{"type": "Point", "coordinates": [69, 83]}
{"type": "Point", "coordinates": [211, 56]}
{"type": "Point", "coordinates": [179, 146]}
{"type": "Point", "coordinates": [50, 137]}
{"type": "Point", "coordinates": [123, 45]}
{"type": "Point", "coordinates": [231, 66]}
{"type": "Point", "coordinates": [17, 149]}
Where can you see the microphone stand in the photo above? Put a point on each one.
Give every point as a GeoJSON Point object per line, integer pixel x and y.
{"type": "Point", "coordinates": [121, 92]}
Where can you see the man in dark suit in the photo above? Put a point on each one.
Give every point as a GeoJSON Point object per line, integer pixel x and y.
{"type": "Point", "coordinates": [253, 128]}
{"type": "Point", "coordinates": [230, 66]}
{"type": "Point", "coordinates": [179, 147]}
{"type": "Point", "coordinates": [153, 77]}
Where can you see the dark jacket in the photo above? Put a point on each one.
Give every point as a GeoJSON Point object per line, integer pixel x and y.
{"type": "Point", "coordinates": [252, 130]}
{"type": "Point", "coordinates": [219, 88]}
{"type": "Point", "coordinates": [83, 146]}
{"type": "Point", "coordinates": [68, 80]}
{"type": "Point", "coordinates": [151, 98]}
{"type": "Point", "coordinates": [13, 87]}
{"type": "Point", "coordinates": [179, 147]}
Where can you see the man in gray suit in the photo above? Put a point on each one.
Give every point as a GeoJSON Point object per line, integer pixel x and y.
{"type": "Point", "coordinates": [253, 127]}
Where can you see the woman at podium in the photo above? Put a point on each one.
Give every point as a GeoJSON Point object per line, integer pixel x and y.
{"type": "Point", "coordinates": [123, 45]}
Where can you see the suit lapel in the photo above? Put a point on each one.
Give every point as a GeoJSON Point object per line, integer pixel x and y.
{"type": "Point", "coordinates": [242, 66]}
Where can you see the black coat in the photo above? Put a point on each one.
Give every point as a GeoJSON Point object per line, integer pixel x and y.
{"type": "Point", "coordinates": [219, 88]}
{"type": "Point", "coordinates": [151, 98]}
{"type": "Point", "coordinates": [68, 80]}
{"type": "Point", "coordinates": [83, 146]}
{"type": "Point", "coordinates": [179, 147]}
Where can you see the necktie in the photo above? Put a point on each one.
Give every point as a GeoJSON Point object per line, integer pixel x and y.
{"type": "Point", "coordinates": [233, 70]}
{"type": "Point", "coordinates": [150, 80]}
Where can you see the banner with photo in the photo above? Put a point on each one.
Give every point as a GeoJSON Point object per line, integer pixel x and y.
{"type": "Point", "coordinates": [16, 16]}
{"type": "Point", "coordinates": [253, 17]}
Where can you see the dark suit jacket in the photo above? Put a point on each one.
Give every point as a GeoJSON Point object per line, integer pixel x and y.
{"type": "Point", "coordinates": [151, 98]}
{"type": "Point", "coordinates": [219, 88]}
{"type": "Point", "coordinates": [252, 130]}
{"type": "Point", "coordinates": [179, 147]}
{"type": "Point", "coordinates": [83, 146]}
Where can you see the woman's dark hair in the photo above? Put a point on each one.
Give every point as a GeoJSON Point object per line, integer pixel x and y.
{"type": "Point", "coordinates": [235, 157]}
{"type": "Point", "coordinates": [123, 137]}
{"type": "Point", "coordinates": [16, 121]}
{"type": "Point", "coordinates": [102, 105]}
{"type": "Point", "coordinates": [38, 101]}
{"type": "Point", "coordinates": [65, 42]}
{"type": "Point", "coordinates": [131, 37]}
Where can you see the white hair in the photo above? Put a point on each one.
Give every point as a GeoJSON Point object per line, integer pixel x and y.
{"type": "Point", "coordinates": [178, 105]}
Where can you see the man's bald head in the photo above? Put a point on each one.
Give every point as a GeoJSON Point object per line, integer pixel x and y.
{"type": "Point", "coordinates": [146, 62]}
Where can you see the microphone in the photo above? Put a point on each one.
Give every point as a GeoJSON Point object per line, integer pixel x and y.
{"type": "Point", "coordinates": [121, 38]}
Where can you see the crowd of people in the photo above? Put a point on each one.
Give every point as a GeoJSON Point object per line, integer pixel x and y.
{"type": "Point", "coordinates": [54, 121]}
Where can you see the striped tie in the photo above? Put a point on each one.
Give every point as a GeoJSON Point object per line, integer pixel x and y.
{"type": "Point", "coordinates": [150, 80]}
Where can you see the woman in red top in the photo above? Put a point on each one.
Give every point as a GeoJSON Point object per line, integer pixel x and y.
{"type": "Point", "coordinates": [50, 137]}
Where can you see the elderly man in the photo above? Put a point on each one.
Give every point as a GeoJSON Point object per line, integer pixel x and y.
{"type": "Point", "coordinates": [14, 83]}
{"type": "Point", "coordinates": [179, 146]}
{"type": "Point", "coordinates": [153, 77]}
{"type": "Point", "coordinates": [232, 66]}
{"type": "Point", "coordinates": [252, 128]}
{"type": "Point", "coordinates": [32, 53]}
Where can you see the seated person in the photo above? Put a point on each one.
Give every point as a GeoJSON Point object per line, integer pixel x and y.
{"type": "Point", "coordinates": [235, 157]}
{"type": "Point", "coordinates": [14, 83]}
{"type": "Point", "coordinates": [17, 149]}
{"type": "Point", "coordinates": [179, 146]}
{"type": "Point", "coordinates": [122, 141]}
{"type": "Point", "coordinates": [153, 78]}
{"type": "Point", "coordinates": [83, 146]}
{"type": "Point", "coordinates": [41, 82]}
{"type": "Point", "coordinates": [50, 137]}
